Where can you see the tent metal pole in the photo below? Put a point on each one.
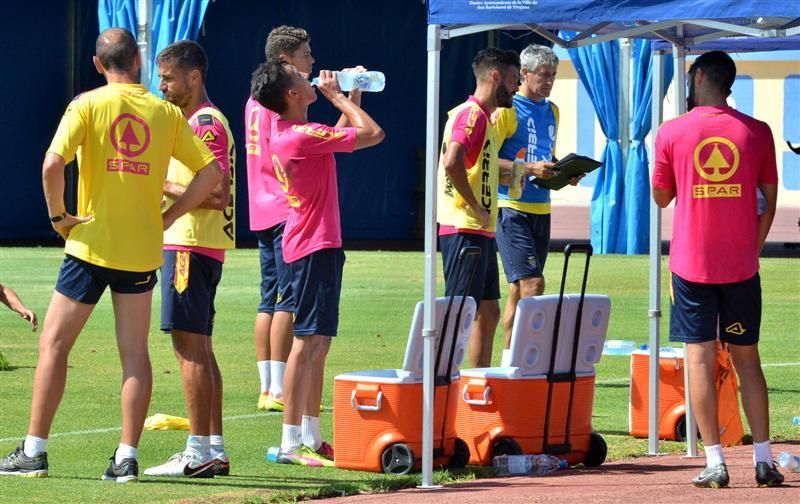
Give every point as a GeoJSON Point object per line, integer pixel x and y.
{"type": "Point", "coordinates": [624, 98]}
{"type": "Point", "coordinates": [434, 46]}
{"type": "Point", "coordinates": [679, 53]}
{"type": "Point", "coordinates": [144, 39]}
{"type": "Point", "coordinates": [655, 263]}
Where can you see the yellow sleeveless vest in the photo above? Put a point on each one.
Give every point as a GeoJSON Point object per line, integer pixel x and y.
{"type": "Point", "coordinates": [483, 176]}
{"type": "Point", "coordinates": [204, 227]}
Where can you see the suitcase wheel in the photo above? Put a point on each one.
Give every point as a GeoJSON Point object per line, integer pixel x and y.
{"type": "Point", "coordinates": [460, 456]}
{"type": "Point", "coordinates": [597, 451]}
{"type": "Point", "coordinates": [397, 459]}
{"type": "Point", "coordinates": [505, 446]}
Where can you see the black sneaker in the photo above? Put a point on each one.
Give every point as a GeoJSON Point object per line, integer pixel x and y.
{"type": "Point", "coordinates": [713, 477]}
{"type": "Point", "coordinates": [767, 475]}
{"type": "Point", "coordinates": [126, 471]}
{"type": "Point", "coordinates": [18, 464]}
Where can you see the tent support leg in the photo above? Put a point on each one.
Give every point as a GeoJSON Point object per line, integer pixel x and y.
{"type": "Point", "coordinates": [429, 320]}
{"type": "Point", "coordinates": [655, 265]}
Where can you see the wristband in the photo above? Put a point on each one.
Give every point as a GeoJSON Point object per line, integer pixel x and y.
{"type": "Point", "coordinates": [59, 217]}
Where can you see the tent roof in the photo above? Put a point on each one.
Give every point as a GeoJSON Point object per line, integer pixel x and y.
{"type": "Point", "coordinates": [737, 45]}
{"type": "Point", "coordinates": [610, 19]}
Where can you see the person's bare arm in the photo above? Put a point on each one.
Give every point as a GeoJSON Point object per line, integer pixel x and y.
{"type": "Point", "coordinates": [455, 164]}
{"type": "Point", "coordinates": [770, 192]}
{"type": "Point", "coordinates": [218, 199]}
{"type": "Point", "coordinates": [9, 298]}
{"type": "Point", "coordinates": [368, 133]}
{"type": "Point", "coordinates": [196, 192]}
{"type": "Point", "coordinates": [662, 197]}
{"type": "Point", "coordinates": [53, 186]}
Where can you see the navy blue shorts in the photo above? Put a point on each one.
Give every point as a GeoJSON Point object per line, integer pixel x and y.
{"type": "Point", "coordinates": [188, 287]}
{"type": "Point", "coordinates": [697, 311]}
{"type": "Point", "coordinates": [317, 280]}
{"type": "Point", "coordinates": [85, 282]}
{"type": "Point", "coordinates": [276, 282]}
{"type": "Point", "coordinates": [486, 282]}
{"type": "Point", "coordinates": [523, 240]}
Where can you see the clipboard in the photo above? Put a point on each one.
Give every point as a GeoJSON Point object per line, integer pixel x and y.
{"type": "Point", "coordinates": [568, 167]}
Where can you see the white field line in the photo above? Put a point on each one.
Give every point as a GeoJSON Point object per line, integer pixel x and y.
{"type": "Point", "coordinates": [117, 429]}
{"type": "Point", "coordinates": [255, 415]}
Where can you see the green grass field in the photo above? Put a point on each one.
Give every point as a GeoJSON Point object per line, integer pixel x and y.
{"type": "Point", "coordinates": [379, 292]}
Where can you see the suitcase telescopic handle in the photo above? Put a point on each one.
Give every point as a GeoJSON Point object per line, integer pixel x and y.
{"type": "Point", "coordinates": [476, 402]}
{"type": "Point", "coordinates": [578, 247]}
{"type": "Point", "coordinates": [366, 407]}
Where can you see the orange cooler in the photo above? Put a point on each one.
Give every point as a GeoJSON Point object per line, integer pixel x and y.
{"type": "Point", "coordinates": [500, 411]}
{"type": "Point", "coordinates": [377, 414]}
{"type": "Point", "coordinates": [671, 398]}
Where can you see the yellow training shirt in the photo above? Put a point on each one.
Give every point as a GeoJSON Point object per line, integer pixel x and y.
{"type": "Point", "coordinates": [124, 137]}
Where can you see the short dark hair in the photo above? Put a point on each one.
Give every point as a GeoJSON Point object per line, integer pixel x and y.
{"type": "Point", "coordinates": [186, 54]}
{"type": "Point", "coordinates": [285, 39]}
{"type": "Point", "coordinates": [493, 58]}
{"type": "Point", "coordinates": [116, 49]}
{"type": "Point", "coordinates": [718, 68]}
{"type": "Point", "coordinates": [269, 84]}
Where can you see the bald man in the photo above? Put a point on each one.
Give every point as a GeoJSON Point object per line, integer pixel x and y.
{"type": "Point", "coordinates": [123, 137]}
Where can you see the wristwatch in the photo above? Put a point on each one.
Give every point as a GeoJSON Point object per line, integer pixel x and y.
{"type": "Point", "coordinates": [59, 217]}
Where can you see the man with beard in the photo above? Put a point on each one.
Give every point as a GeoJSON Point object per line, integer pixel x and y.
{"type": "Point", "coordinates": [469, 175]}
{"type": "Point", "coordinates": [194, 251]}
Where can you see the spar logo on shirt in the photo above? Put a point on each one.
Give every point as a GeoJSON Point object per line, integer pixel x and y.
{"type": "Point", "coordinates": [130, 136]}
{"type": "Point", "coordinates": [716, 159]}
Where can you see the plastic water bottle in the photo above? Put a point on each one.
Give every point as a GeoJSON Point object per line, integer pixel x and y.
{"type": "Point", "coordinates": [619, 347]}
{"type": "Point", "coordinates": [796, 421]}
{"type": "Point", "coordinates": [789, 462]}
{"type": "Point", "coordinates": [365, 81]}
{"type": "Point", "coordinates": [509, 465]}
{"type": "Point", "coordinates": [517, 172]}
{"type": "Point", "coordinates": [273, 453]}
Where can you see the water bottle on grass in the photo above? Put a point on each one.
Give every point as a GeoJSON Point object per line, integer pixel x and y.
{"type": "Point", "coordinates": [511, 465]}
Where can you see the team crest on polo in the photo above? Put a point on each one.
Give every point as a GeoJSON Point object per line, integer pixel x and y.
{"type": "Point", "coordinates": [716, 160]}
{"type": "Point", "coordinates": [130, 136]}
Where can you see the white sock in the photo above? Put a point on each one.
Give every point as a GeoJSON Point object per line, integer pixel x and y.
{"type": "Point", "coordinates": [34, 445]}
{"type": "Point", "coordinates": [199, 447]}
{"type": "Point", "coordinates": [217, 444]}
{"type": "Point", "coordinates": [263, 374]}
{"type": "Point", "coordinates": [291, 438]}
{"type": "Point", "coordinates": [506, 359]}
{"type": "Point", "coordinates": [762, 453]}
{"type": "Point", "coordinates": [276, 371]}
{"type": "Point", "coordinates": [312, 437]}
{"type": "Point", "coordinates": [714, 455]}
{"type": "Point", "coordinates": [124, 452]}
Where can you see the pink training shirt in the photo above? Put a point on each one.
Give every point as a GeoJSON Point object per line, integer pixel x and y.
{"type": "Point", "coordinates": [302, 155]}
{"type": "Point", "coordinates": [267, 203]}
{"type": "Point", "coordinates": [471, 137]}
{"type": "Point", "coordinates": [215, 136]}
{"type": "Point", "coordinates": [714, 158]}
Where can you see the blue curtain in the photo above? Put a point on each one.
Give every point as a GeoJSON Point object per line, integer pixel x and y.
{"type": "Point", "coordinates": [117, 13]}
{"type": "Point", "coordinates": [174, 20]}
{"type": "Point", "coordinates": [598, 68]}
{"type": "Point", "coordinates": [634, 230]}
{"type": "Point", "coordinates": [171, 20]}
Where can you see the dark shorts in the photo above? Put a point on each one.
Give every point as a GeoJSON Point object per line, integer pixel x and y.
{"type": "Point", "coordinates": [317, 280]}
{"type": "Point", "coordinates": [697, 311]}
{"type": "Point", "coordinates": [486, 282]}
{"type": "Point", "coordinates": [188, 286]}
{"type": "Point", "coordinates": [85, 282]}
{"type": "Point", "coordinates": [523, 240]}
{"type": "Point", "coordinates": [276, 292]}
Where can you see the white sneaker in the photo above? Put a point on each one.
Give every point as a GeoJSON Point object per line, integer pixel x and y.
{"type": "Point", "coordinates": [184, 465]}
{"type": "Point", "coordinates": [222, 464]}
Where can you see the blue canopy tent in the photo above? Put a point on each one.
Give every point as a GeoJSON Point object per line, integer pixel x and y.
{"type": "Point", "coordinates": [681, 23]}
